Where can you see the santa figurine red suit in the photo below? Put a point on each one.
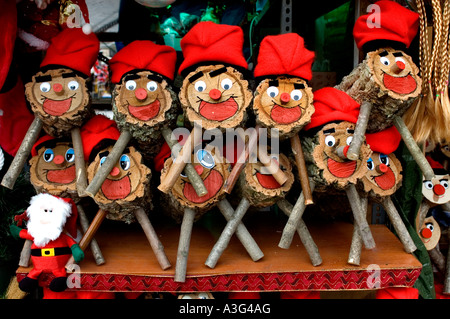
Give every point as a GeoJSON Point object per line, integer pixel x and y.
{"type": "Point", "coordinates": [52, 247]}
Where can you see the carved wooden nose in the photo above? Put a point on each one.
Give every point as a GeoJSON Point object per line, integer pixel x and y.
{"type": "Point", "coordinates": [141, 94]}
{"type": "Point", "coordinates": [215, 94]}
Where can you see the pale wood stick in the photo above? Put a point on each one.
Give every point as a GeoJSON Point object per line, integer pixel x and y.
{"type": "Point", "coordinates": [422, 213]}
{"type": "Point", "coordinates": [95, 248]}
{"type": "Point", "coordinates": [304, 234]}
{"type": "Point", "coordinates": [437, 258]}
{"type": "Point", "coordinates": [80, 164]}
{"type": "Point", "coordinates": [17, 164]}
{"type": "Point", "coordinates": [398, 224]}
{"type": "Point", "coordinates": [297, 150]}
{"type": "Point", "coordinates": [360, 131]}
{"type": "Point", "coordinates": [25, 254]}
{"type": "Point", "coordinates": [242, 160]}
{"type": "Point", "coordinates": [446, 289]}
{"type": "Point", "coordinates": [152, 237]}
{"type": "Point", "coordinates": [294, 219]}
{"type": "Point", "coordinates": [358, 215]}
{"type": "Point", "coordinates": [414, 149]}
{"type": "Point", "coordinates": [242, 233]}
{"type": "Point", "coordinates": [189, 170]}
{"type": "Point", "coordinates": [227, 233]}
{"type": "Point", "coordinates": [184, 157]}
{"type": "Point", "coordinates": [87, 237]}
{"type": "Point", "coordinates": [273, 167]}
{"type": "Point", "coordinates": [354, 256]}
{"type": "Point", "coordinates": [184, 245]}
{"type": "Point", "coordinates": [108, 164]}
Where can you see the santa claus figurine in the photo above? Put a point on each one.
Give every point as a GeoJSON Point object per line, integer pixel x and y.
{"type": "Point", "coordinates": [52, 247]}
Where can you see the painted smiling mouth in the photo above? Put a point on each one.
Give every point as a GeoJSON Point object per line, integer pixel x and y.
{"type": "Point", "coordinates": [62, 176]}
{"type": "Point", "coordinates": [116, 189]}
{"type": "Point", "coordinates": [145, 112]}
{"type": "Point", "coordinates": [218, 111]}
{"type": "Point", "coordinates": [285, 115]}
{"type": "Point", "coordinates": [341, 169]}
{"type": "Point", "coordinates": [213, 183]}
{"type": "Point", "coordinates": [267, 181]}
{"type": "Point", "coordinates": [401, 85]}
{"type": "Point", "coordinates": [386, 180]}
{"type": "Point", "coordinates": [57, 107]}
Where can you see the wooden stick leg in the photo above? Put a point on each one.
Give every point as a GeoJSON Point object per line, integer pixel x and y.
{"type": "Point", "coordinates": [398, 224]}
{"type": "Point", "coordinates": [189, 170]}
{"type": "Point", "coordinates": [88, 236]}
{"type": "Point", "coordinates": [360, 131]}
{"type": "Point", "coordinates": [25, 254]}
{"type": "Point", "coordinates": [354, 256]}
{"type": "Point", "coordinates": [95, 248]}
{"type": "Point", "coordinates": [438, 259]}
{"type": "Point", "coordinates": [10, 177]}
{"type": "Point", "coordinates": [242, 233]}
{"type": "Point", "coordinates": [184, 245]}
{"type": "Point", "coordinates": [304, 234]}
{"type": "Point", "coordinates": [108, 164]}
{"type": "Point", "coordinates": [446, 289]}
{"type": "Point", "coordinates": [152, 237]}
{"type": "Point", "coordinates": [227, 233]}
{"type": "Point", "coordinates": [297, 150]}
{"type": "Point", "coordinates": [358, 215]}
{"type": "Point", "coordinates": [422, 213]}
{"type": "Point", "coordinates": [80, 164]}
{"type": "Point", "coordinates": [293, 221]}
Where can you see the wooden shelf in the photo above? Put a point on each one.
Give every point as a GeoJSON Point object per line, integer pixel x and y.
{"type": "Point", "coordinates": [131, 265]}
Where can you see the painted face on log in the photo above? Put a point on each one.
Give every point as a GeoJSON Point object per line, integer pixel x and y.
{"type": "Point", "coordinates": [58, 92]}
{"type": "Point", "coordinates": [126, 180]}
{"type": "Point", "coordinates": [329, 154]}
{"type": "Point", "coordinates": [383, 176]}
{"type": "Point", "coordinates": [258, 177]}
{"type": "Point", "coordinates": [439, 193]}
{"type": "Point", "coordinates": [212, 169]}
{"type": "Point", "coordinates": [143, 98]}
{"type": "Point", "coordinates": [53, 168]}
{"type": "Point", "coordinates": [216, 95]}
{"type": "Point", "coordinates": [284, 103]}
{"type": "Point", "coordinates": [429, 232]}
{"type": "Point", "coordinates": [395, 71]}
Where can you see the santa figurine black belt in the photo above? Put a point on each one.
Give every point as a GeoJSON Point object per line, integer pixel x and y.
{"type": "Point", "coordinates": [50, 252]}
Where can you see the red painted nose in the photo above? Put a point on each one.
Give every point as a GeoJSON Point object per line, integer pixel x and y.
{"type": "Point", "coordinates": [57, 87]}
{"type": "Point", "coordinates": [141, 94]}
{"type": "Point", "coordinates": [199, 169]}
{"type": "Point", "coordinates": [215, 94]}
{"type": "Point", "coordinates": [382, 168]}
{"type": "Point", "coordinates": [115, 171]}
{"type": "Point", "coordinates": [401, 65]}
{"type": "Point", "coordinates": [438, 189]}
{"type": "Point", "coordinates": [285, 97]}
{"type": "Point", "coordinates": [59, 159]}
{"type": "Point", "coordinates": [426, 233]}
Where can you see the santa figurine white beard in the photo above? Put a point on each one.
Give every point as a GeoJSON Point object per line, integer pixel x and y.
{"type": "Point", "coordinates": [47, 216]}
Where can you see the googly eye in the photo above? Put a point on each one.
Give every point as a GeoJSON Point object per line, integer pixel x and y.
{"type": "Point", "coordinates": [272, 91]}
{"type": "Point", "coordinates": [349, 140]}
{"type": "Point", "coordinates": [384, 159]}
{"type": "Point", "coordinates": [330, 140]}
{"type": "Point", "coordinates": [399, 59]}
{"type": "Point", "coordinates": [48, 155]}
{"type": "Point", "coordinates": [428, 184]}
{"type": "Point", "coordinates": [370, 164]}
{"type": "Point", "coordinates": [45, 87]}
{"type": "Point", "coordinates": [200, 86]}
{"type": "Point", "coordinates": [205, 159]}
{"type": "Point", "coordinates": [70, 155]}
{"type": "Point", "coordinates": [429, 226]}
{"type": "Point", "coordinates": [152, 86]}
{"type": "Point", "coordinates": [226, 84]}
{"type": "Point", "coordinates": [444, 182]}
{"type": "Point", "coordinates": [384, 60]}
{"type": "Point", "coordinates": [73, 85]}
{"type": "Point", "coordinates": [296, 95]}
{"type": "Point", "coordinates": [130, 85]}
{"type": "Point", "coordinates": [102, 160]}
{"type": "Point", "coordinates": [124, 162]}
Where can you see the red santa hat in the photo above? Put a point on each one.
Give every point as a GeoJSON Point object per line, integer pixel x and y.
{"type": "Point", "coordinates": [389, 21]}
{"type": "Point", "coordinates": [437, 167]}
{"type": "Point", "coordinates": [43, 139]}
{"type": "Point", "coordinates": [332, 105]}
{"type": "Point", "coordinates": [8, 28]}
{"type": "Point", "coordinates": [74, 49]}
{"type": "Point", "coordinates": [385, 141]}
{"type": "Point", "coordinates": [143, 55]}
{"type": "Point", "coordinates": [98, 129]}
{"type": "Point", "coordinates": [284, 54]}
{"type": "Point", "coordinates": [211, 42]}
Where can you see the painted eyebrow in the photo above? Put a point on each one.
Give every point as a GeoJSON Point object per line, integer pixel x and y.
{"type": "Point", "coordinates": [351, 131]}
{"type": "Point", "coordinates": [330, 130]}
{"type": "Point", "coordinates": [43, 78]}
{"type": "Point", "coordinates": [384, 53]}
{"type": "Point", "coordinates": [217, 72]}
{"type": "Point", "coordinates": [154, 77]}
{"type": "Point", "coordinates": [132, 77]}
{"type": "Point", "coordinates": [273, 83]}
{"type": "Point", "coordinates": [299, 86]}
{"type": "Point", "coordinates": [196, 76]}
{"type": "Point", "coordinates": [103, 154]}
{"type": "Point", "coordinates": [69, 75]}
{"type": "Point", "coordinates": [397, 54]}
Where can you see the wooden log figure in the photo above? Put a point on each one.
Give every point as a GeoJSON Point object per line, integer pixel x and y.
{"type": "Point", "coordinates": [58, 95]}
{"type": "Point", "coordinates": [214, 90]}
